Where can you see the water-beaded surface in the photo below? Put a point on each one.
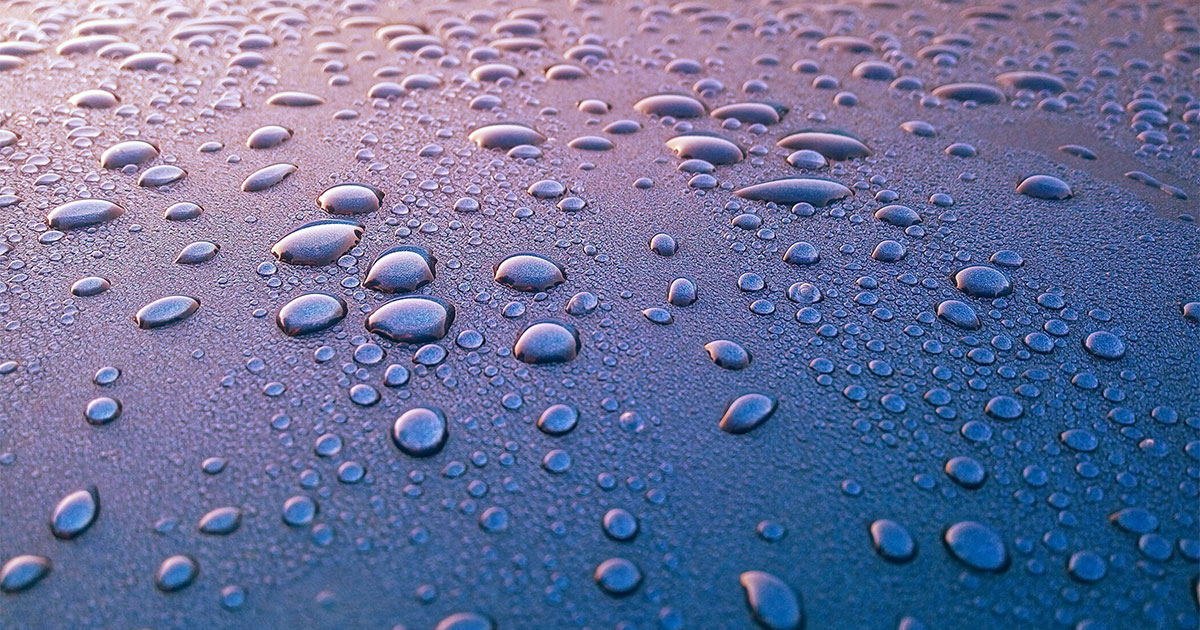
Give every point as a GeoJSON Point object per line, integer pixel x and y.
{"type": "Point", "coordinates": [506, 314]}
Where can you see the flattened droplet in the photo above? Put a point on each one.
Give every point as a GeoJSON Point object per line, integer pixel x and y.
{"type": "Point", "coordinates": [547, 342]}
{"type": "Point", "coordinates": [420, 432]}
{"type": "Point", "coordinates": [982, 282]}
{"type": "Point", "coordinates": [958, 313]}
{"type": "Point", "coordinates": [1105, 345]}
{"type": "Point", "coordinates": [976, 546]}
{"type": "Point", "coordinates": [221, 521]}
{"type": "Point", "coordinates": [558, 419]}
{"type": "Point", "coordinates": [793, 190]}
{"type": "Point", "coordinates": [95, 99]}
{"type": "Point", "coordinates": [414, 319]}
{"type": "Point", "coordinates": [1031, 80]}
{"type": "Point", "coordinates": [1045, 187]}
{"type": "Point", "coordinates": [712, 149]}
{"type": "Point", "coordinates": [268, 137]}
{"type": "Point", "coordinates": [899, 216]}
{"type": "Point", "coordinates": [310, 313]}
{"type": "Point", "coordinates": [773, 604]}
{"type": "Point", "coordinates": [161, 175]}
{"type": "Point", "coordinates": [350, 199]}
{"type": "Point", "coordinates": [268, 176]}
{"type": "Point", "coordinates": [591, 143]}
{"type": "Point", "coordinates": [674, 105]}
{"type": "Point", "coordinates": [166, 311]}
{"type": "Point", "coordinates": [176, 573]}
{"type": "Point", "coordinates": [747, 412]}
{"type": "Point", "coordinates": [981, 93]}
{"type": "Point", "coordinates": [295, 99]}
{"type": "Point", "coordinates": [726, 354]}
{"type": "Point", "coordinates": [75, 513]}
{"type": "Point", "coordinates": [834, 146]}
{"type": "Point", "coordinates": [128, 152]}
{"type": "Point", "coordinates": [318, 243]}
{"type": "Point", "coordinates": [196, 253]}
{"type": "Point", "coordinates": [22, 572]}
{"type": "Point", "coordinates": [750, 113]}
{"type": "Point", "coordinates": [87, 287]}
{"type": "Point", "coordinates": [402, 269]}
{"type": "Point", "coordinates": [505, 136]}
{"type": "Point", "coordinates": [529, 272]}
{"type": "Point", "coordinates": [465, 621]}
{"type": "Point", "coordinates": [82, 213]}
{"type": "Point", "coordinates": [182, 211]}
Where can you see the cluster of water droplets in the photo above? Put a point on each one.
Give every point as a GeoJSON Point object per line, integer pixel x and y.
{"type": "Point", "coordinates": [482, 302]}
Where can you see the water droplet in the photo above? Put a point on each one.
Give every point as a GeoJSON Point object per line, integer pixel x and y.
{"type": "Point", "coordinates": [420, 432]}
{"type": "Point", "coordinates": [1044, 187]}
{"type": "Point", "coordinates": [22, 572]}
{"type": "Point", "coordinates": [982, 282]}
{"type": "Point", "coordinates": [166, 311]}
{"type": "Point", "coordinates": [892, 541]}
{"type": "Point", "coordinates": [318, 243]}
{"type": "Point", "coordinates": [350, 199]}
{"type": "Point", "coordinates": [976, 546]}
{"type": "Point", "coordinates": [791, 191]}
{"type": "Point", "coordinates": [529, 272]}
{"type": "Point", "coordinates": [773, 604]}
{"type": "Point", "coordinates": [545, 342]}
{"type": "Point", "coordinates": [75, 513]}
{"type": "Point", "coordinates": [746, 412]}
{"type": "Point", "coordinates": [310, 313]}
{"type": "Point", "coordinates": [221, 522]}
{"type": "Point", "coordinates": [413, 319]}
{"type": "Point", "coordinates": [82, 213]}
{"type": "Point", "coordinates": [618, 577]}
{"type": "Point", "coordinates": [176, 573]}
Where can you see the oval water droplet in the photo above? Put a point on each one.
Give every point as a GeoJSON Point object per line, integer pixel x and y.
{"type": "Point", "coordinates": [318, 243]}
{"type": "Point", "coordinates": [547, 342]}
{"type": "Point", "coordinates": [310, 313]}
{"type": "Point", "coordinates": [166, 311]}
{"type": "Point", "coordinates": [413, 319]}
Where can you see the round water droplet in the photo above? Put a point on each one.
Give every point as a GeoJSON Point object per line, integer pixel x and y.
{"type": "Point", "coordinates": [1105, 345]}
{"type": "Point", "coordinates": [983, 282]}
{"type": "Point", "coordinates": [545, 342]}
{"type": "Point", "coordinates": [618, 577]}
{"type": "Point", "coordinates": [420, 432]}
{"type": "Point", "coordinates": [892, 541]}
